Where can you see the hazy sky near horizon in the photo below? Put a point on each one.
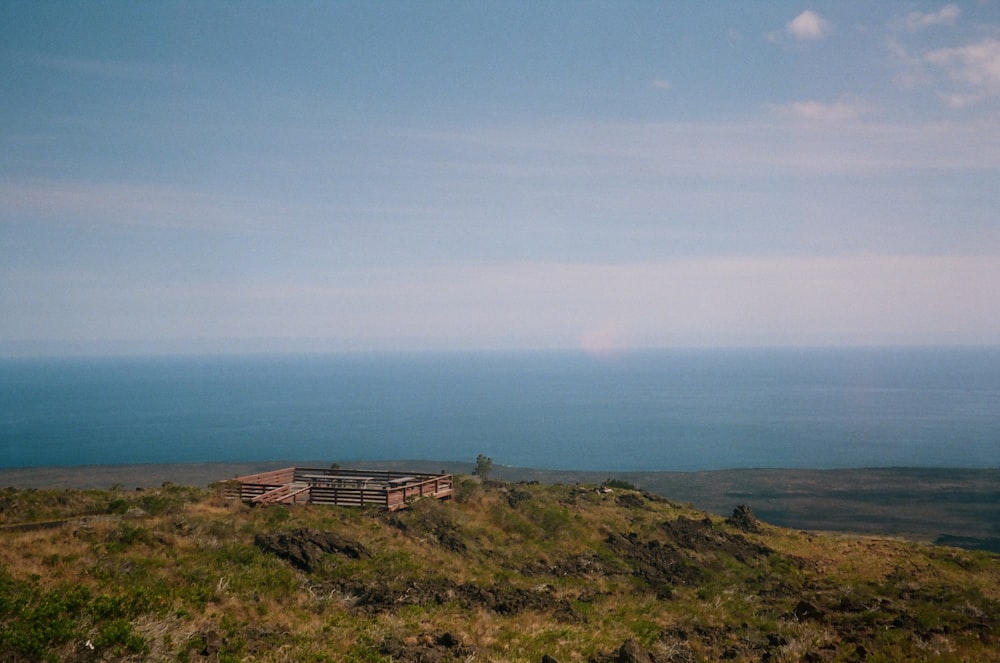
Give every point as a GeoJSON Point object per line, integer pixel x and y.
{"type": "Point", "coordinates": [258, 176]}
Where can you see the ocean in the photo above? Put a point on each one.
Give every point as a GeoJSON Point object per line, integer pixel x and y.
{"type": "Point", "coordinates": [642, 410]}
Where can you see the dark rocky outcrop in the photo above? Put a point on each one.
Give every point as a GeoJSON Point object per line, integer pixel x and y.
{"type": "Point", "coordinates": [577, 566]}
{"type": "Point", "coordinates": [743, 519]}
{"type": "Point", "coordinates": [505, 599]}
{"type": "Point", "coordinates": [660, 565]}
{"type": "Point", "coordinates": [212, 643]}
{"type": "Point", "coordinates": [804, 610]}
{"type": "Point", "coordinates": [630, 652]}
{"type": "Point", "coordinates": [431, 522]}
{"type": "Point", "coordinates": [703, 537]}
{"type": "Point", "coordinates": [304, 547]}
{"type": "Point", "coordinates": [630, 500]}
{"type": "Point", "coordinates": [427, 648]}
{"type": "Point", "coordinates": [687, 555]}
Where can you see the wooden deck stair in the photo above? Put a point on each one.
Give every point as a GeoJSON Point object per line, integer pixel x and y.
{"type": "Point", "coordinates": [290, 493]}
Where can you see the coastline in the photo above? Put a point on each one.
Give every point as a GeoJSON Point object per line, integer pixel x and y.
{"type": "Point", "coordinates": [959, 507]}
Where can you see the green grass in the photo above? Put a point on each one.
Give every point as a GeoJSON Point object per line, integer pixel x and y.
{"type": "Point", "coordinates": [171, 573]}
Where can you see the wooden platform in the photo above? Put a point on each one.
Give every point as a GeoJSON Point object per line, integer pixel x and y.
{"type": "Point", "coordinates": [340, 487]}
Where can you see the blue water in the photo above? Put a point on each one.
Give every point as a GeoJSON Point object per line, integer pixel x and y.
{"type": "Point", "coordinates": [655, 410]}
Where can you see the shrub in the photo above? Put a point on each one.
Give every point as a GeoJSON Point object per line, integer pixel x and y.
{"type": "Point", "coordinates": [126, 535]}
{"type": "Point", "coordinates": [620, 484]}
{"type": "Point", "coordinates": [32, 622]}
{"type": "Point", "coordinates": [118, 636]}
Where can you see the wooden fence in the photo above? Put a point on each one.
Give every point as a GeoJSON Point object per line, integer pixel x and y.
{"type": "Point", "coordinates": [297, 485]}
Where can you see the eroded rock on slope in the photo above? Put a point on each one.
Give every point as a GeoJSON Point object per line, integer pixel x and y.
{"type": "Point", "coordinates": [305, 547]}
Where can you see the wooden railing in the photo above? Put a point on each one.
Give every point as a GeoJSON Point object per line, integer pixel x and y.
{"type": "Point", "coordinates": [440, 486]}
{"type": "Point", "coordinates": [390, 489]}
{"type": "Point", "coordinates": [249, 487]}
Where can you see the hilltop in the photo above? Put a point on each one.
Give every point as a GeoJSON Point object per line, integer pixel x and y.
{"type": "Point", "coordinates": [504, 572]}
{"type": "Point", "coordinates": [953, 506]}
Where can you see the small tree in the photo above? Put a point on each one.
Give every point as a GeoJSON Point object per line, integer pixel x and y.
{"type": "Point", "coordinates": [484, 465]}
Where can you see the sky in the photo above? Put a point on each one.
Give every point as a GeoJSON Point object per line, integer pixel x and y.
{"type": "Point", "coordinates": [600, 176]}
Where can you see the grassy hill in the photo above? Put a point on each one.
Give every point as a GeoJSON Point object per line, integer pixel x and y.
{"type": "Point", "coordinates": [505, 572]}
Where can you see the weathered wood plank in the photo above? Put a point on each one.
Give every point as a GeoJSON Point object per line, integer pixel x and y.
{"type": "Point", "coordinates": [389, 489]}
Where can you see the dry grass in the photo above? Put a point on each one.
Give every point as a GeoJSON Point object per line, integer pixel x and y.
{"type": "Point", "coordinates": [172, 572]}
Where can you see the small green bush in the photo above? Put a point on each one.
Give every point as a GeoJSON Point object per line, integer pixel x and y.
{"type": "Point", "coordinates": [620, 484]}
{"type": "Point", "coordinates": [125, 536]}
{"type": "Point", "coordinates": [32, 622]}
{"type": "Point", "coordinates": [118, 636]}
{"type": "Point", "coordinates": [118, 506]}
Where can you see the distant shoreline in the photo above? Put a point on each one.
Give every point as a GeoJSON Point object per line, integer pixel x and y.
{"type": "Point", "coordinates": [148, 475]}
{"type": "Point", "coordinates": [954, 506]}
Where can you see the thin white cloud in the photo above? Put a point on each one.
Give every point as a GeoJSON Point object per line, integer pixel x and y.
{"type": "Point", "coordinates": [910, 70]}
{"type": "Point", "coordinates": [598, 150]}
{"type": "Point", "coordinates": [849, 299]}
{"type": "Point", "coordinates": [817, 111]}
{"type": "Point", "coordinates": [149, 205]}
{"type": "Point", "coordinates": [916, 20]}
{"type": "Point", "coordinates": [960, 76]}
{"type": "Point", "coordinates": [888, 297]}
{"type": "Point", "coordinates": [660, 84]}
{"type": "Point", "coordinates": [977, 65]}
{"type": "Point", "coordinates": [120, 69]}
{"type": "Point", "coordinates": [957, 100]}
{"type": "Point", "coordinates": [808, 26]}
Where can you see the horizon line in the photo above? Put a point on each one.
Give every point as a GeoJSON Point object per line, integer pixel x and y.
{"type": "Point", "coordinates": [78, 352]}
